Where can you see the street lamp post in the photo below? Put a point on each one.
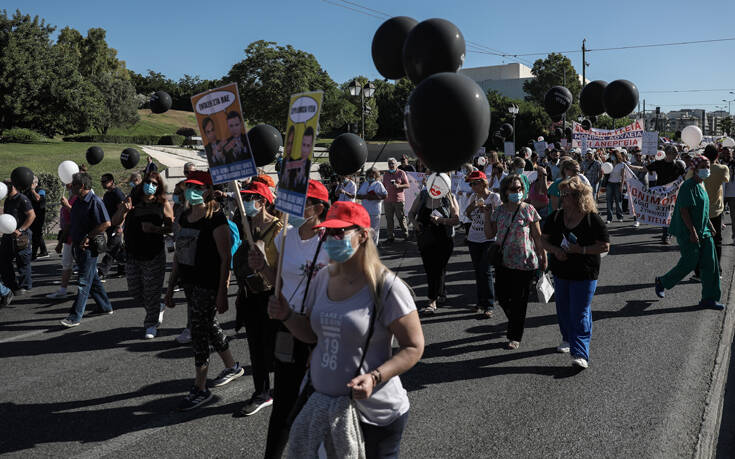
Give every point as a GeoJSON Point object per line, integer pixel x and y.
{"type": "Point", "coordinates": [513, 110]}
{"type": "Point", "coordinates": [364, 92]}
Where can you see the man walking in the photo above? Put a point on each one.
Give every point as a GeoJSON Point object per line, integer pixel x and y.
{"type": "Point", "coordinates": [16, 246]}
{"type": "Point", "coordinates": [38, 201]}
{"type": "Point", "coordinates": [89, 219]}
{"type": "Point", "coordinates": [592, 169]}
{"type": "Point", "coordinates": [112, 199]}
{"type": "Point", "coordinates": [395, 182]}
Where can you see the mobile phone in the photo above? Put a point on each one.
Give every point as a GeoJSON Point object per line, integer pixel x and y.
{"type": "Point", "coordinates": [572, 238]}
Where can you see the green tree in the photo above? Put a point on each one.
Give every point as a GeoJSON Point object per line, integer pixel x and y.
{"type": "Point", "coordinates": [268, 76]}
{"type": "Point", "coordinates": [120, 108]}
{"type": "Point", "coordinates": [555, 70]}
{"type": "Point", "coordinates": [726, 125]}
{"type": "Point", "coordinates": [605, 122]}
{"type": "Point", "coordinates": [352, 106]}
{"type": "Point", "coordinates": [391, 100]}
{"type": "Point", "coordinates": [531, 120]}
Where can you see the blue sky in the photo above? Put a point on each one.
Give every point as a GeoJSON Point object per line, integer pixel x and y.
{"type": "Point", "coordinates": [178, 37]}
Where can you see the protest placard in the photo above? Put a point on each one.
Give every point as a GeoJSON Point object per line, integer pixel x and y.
{"type": "Point", "coordinates": [540, 148]}
{"type": "Point", "coordinates": [650, 143]}
{"type": "Point", "coordinates": [625, 137]}
{"type": "Point", "coordinates": [653, 206]}
{"type": "Point", "coordinates": [224, 136]}
{"type": "Point", "coordinates": [301, 127]}
{"type": "Point", "coordinates": [415, 183]}
{"type": "Point", "coordinates": [509, 149]}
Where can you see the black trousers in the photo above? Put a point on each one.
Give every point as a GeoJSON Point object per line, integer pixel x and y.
{"type": "Point", "coordinates": [511, 291]}
{"type": "Point", "coordinates": [37, 243]}
{"type": "Point", "coordinates": [286, 385]}
{"type": "Point", "coordinates": [115, 252]}
{"type": "Point", "coordinates": [260, 331]}
{"type": "Point", "coordinates": [436, 248]}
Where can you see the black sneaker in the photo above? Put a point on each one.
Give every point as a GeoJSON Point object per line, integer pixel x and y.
{"type": "Point", "coordinates": [195, 398]}
{"type": "Point", "coordinates": [228, 374]}
{"type": "Point", "coordinates": [7, 299]}
{"type": "Point", "coordinates": [255, 404]}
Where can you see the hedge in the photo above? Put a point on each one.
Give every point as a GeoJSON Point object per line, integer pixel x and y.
{"type": "Point", "coordinates": [134, 139]}
{"type": "Point", "coordinates": [21, 135]}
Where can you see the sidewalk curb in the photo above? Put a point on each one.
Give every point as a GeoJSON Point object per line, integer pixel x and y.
{"type": "Point", "coordinates": [706, 447]}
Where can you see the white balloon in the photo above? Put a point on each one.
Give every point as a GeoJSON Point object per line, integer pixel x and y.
{"type": "Point", "coordinates": [660, 155]}
{"type": "Point", "coordinates": [692, 136]}
{"type": "Point", "coordinates": [66, 170]}
{"type": "Point", "coordinates": [438, 185]}
{"type": "Point", "coordinates": [728, 142]}
{"type": "Point", "coordinates": [607, 168]}
{"type": "Point", "coordinates": [7, 224]}
{"type": "Point", "coordinates": [3, 191]}
{"type": "Point", "coordinates": [540, 138]}
{"type": "Point", "coordinates": [531, 176]}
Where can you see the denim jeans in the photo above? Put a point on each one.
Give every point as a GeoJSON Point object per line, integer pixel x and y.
{"type": "Point", "coordinates": [613, 195]}
{"type": "Point", "coordinates": [483, 274]}
{"type": "Point", "coordinates": [89, 284]}
{"type": "Point", "coordinates": [595, 188]}
{"type": "Point", "coordinates": [573, 299]}
{"type": "Point", "coordinates": [4, 290]}
{"type": "Point", "coordinates": [22, 262]}
{"type": "Point", "coordinates": [383, 441]}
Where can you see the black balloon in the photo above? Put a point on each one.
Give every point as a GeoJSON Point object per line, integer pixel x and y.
{"type": "Point", "coordinates": [347, 153]}
{"type": "Point", "coordinates": [447, 119]}
{"type": "Point", "coordinates": [621, 98]}
{"type": "Point", "coordinates": [591, 100]}
{"type": "Point", "coordinates": [265, 140]}
{"type": "Point", "coordinates": [506, 130]}
{"type": "Point", "coordinates": [160, 102]}
{"type": "Point", "coordinates": [22, 178]}
{"type": "Point", "coordinates": [557, 100]}
{"type": "Point", "coordinates": [388, 46]}
{"type": "Point", "coordinates": [556, 118]}
{"type": "Point", "coordinates": [586, 124]}
{"type": "Point", "coordinates": [129, 158]}
{"type": "Point", "coordinates": [558, 133]}
{"type": "Point", "coordinates": [95, 155]}
{"type": "Point", "coordinates": [433, 46]}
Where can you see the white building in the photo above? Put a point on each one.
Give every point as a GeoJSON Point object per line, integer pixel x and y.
{"type": "Point", "coordinates": [506, 79]}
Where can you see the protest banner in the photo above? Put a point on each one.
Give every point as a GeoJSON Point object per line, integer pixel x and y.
{"type": "Point", "coordinates": [301, 127]}
{"type": "Point", "coordinates": [650, 143]}
{"type": "Point", "coordinates": [415, 183]}
{"type": "Point", "coordinates": [653, 206]}
{"type": "Point", "coordinates": [540, 148]}
{"type": "Point", "coordinates": [509, 149]}
{"type": "Point", "coordinates": [625, 137]}
{"type": "Point", "coordinates": [224, 136]}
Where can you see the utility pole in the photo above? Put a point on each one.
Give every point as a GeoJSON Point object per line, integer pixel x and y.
{"type": "Point", "coordinates": [584, 63]}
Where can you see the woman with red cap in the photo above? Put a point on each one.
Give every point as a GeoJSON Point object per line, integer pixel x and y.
{"type": "Point", "coordinates": [352, 311]}
{"type": "Point", "coordinates": [255, 282]}
{"type": "Point", "coordinates": [303, 257]}
{"type": "Point", "coordinates": [202, 260]}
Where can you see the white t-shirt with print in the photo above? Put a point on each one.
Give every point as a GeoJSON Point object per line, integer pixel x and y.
{"type": "Point", "coordinates": [373, 207]}
{"type": "Point", "coordinates": [616, 176]}
{"type": "Point", "coordinates": [341, 328]}
{"type": "Point", "coordinates": [298, 255]}
{"type": "Point", "coordinates": [477, 226]}
{"type": "Point", "coordinates": [348, 186]}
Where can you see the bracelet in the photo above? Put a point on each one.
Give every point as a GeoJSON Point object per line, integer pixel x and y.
{"type": "Point", "coordinates": [290, 313]}
{"type": "Point", "coordinates": [377, 376]}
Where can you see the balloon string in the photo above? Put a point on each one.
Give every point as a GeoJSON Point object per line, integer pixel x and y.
{"type": "Point", "coordinates": [380, 153]}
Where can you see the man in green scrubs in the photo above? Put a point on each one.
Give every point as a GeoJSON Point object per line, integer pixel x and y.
{"type": "Point", "coordinates": [691, 225]}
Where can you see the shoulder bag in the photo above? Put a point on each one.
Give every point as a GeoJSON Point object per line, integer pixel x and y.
{"type": "Point", "coordinates": [495, 252]}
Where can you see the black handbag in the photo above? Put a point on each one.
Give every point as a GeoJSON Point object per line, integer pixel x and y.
{"type": "Point", "coordinates": [495, 252]}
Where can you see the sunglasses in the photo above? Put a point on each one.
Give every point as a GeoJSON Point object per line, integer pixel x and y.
{"type": "Point", "coordinates": [151, 182]}
{"type": "Point", "coordinates": [476, 182]}
{"type": "Point", "coordinates": [194, 186]}
{"type": "Point", "coordinates": [339, 233]}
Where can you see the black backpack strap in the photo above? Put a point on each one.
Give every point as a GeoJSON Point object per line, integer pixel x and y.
{"type": "Point", "coordinates": [311, 273]}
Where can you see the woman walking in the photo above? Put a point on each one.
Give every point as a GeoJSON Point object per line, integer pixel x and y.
{"type": "Point", "coordinates": [255, 287]}
{"type": "Point", "coordinates": [202, 260]}
{"type": "Point", "coordinates": [434, 220]}
{"type": "Point", "coordinates": [575, 236]}
{"type": "Point", "coordinates": [482, 203]}
{"type": "Point", "coordinates": [522, 254]}
{"type": "Point", "coordinates": [614, 187]}
{"type": "Point", "coordinates": [353, 310]}
{"type": "Point", "coordinates": [148, 216]}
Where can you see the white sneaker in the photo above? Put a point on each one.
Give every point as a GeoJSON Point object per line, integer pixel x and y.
{"type": "Point", "coordinates": [184, 337]}
{"type": "Point", "coordinates": [636, 224]}
{"type": "Point", "coordinates": [607, 222]}
{"type": "Point", "coordinates": [57, 295]}
{"type": "Point", "coordinates": [160, 314]}
{"type": "Point", "coordinates": [151, 332]}
{"type": "Point", "coordinates": [563, 348]}
{"type": "Point", "coordinates": [579, 362]}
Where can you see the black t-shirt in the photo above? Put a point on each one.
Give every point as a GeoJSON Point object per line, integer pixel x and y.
{"type": "Point", "coordinates": [200, 265]}
{"type": "Point", "coordinates": [139, 244]}
{"type": "Point", "coordinates": [666, 171]}
{"type": "Point", "coordinates": [407, 168]}
{"type": "Point", "coordinates": [112, 199]}
{"type": "Point", "coordinates": [577, 266]}
{"type": "Point", "coordinates": [17, 206]}
{"type": "Point", "coordinates": [40, 204]}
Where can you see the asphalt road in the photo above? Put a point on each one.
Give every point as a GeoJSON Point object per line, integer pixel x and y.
{"type": "Point", "coordinates": [100, 389]}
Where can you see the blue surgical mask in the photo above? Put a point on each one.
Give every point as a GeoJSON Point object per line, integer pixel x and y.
{"type": "Point", "coordinates": [132, 184]}
{"type": "Point", "coordinates": [339, 250]}
{"type": "Point", "coordinates": [392, 171]}
{"type": "Point", "coordinates": [149, 188]}
{"type": "Point", "coordinates": [296, 221]}
{"type": "Point", "coordinates": [515, 197]}
{"type": "Point", "coordinates": [703, 173]}
{"type": "Point", "coordinates": [250, 209]}
{"type": "Point", "coordinates": [194, 196]}
{"type": "Point", "coordinates": [519, 171]}
{"type": "Point", "coordinates": [370, 180]}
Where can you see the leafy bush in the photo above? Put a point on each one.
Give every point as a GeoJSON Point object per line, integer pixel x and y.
{"type": "Point", "coordinates": [54, 190]}
{"type": "Point", "coordinates": [20, 135]}
{"type": "Point", "coordinates": [186, 132]}
{"type": "Point", "coordinates": [135, 139]}
{"type": "Point", "coordinates": [171, 140]}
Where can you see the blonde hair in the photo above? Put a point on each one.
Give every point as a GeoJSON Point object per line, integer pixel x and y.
{"type": "Point", "coordinates": [211, 203]}
{"type": "Point", "coordinates": [583, 194]}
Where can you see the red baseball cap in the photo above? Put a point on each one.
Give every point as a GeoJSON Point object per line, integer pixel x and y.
{"type": "Point", "coordinates": [259, 188]}
{"type": "Point", "coordinates": [476, 175]}
{"type": "Point", "coordinates": [344, 214]}
{"type": "Point", "coordinates": [317, 191]}
{"type": "Point", "coordinates": [199, 178]}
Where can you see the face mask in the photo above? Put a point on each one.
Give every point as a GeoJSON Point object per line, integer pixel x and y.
{"type": "Point", "coordinates": [703, 173]}
{"type": "Point", "coordinates": [176, 198]}
{"type": "Point", "coordinates": [250, 209]}
{"type": "Point", "coordinates": [519, 171]}
{"type": "Point", "coordinates": [194, 196]}
{"type": "Point", "coordinates": [296, 221]}
{"type": "Point", "coordinates": [370, 180]}
{"type": "Point", "coordinates": [132, 184]}
{"type": "Point", "coordinates": [149, 188]}
{"type": "Point", "coordinates": [392, 171]}
{"type": "Point", "coordinates": [515, 197]}
{"type": "Point", "coordinates": [339, 250]}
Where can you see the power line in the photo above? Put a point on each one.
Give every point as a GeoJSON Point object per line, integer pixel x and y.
{"type": "Point", "coordinates": [353, 9]}
{"type": "Point", "coordinates": [685, 90]}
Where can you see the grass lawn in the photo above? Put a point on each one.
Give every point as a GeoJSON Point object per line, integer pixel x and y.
{"type": "Point", "coordinates": [152, 124]}
{"type": "Point", "coordinates": [45, 158]}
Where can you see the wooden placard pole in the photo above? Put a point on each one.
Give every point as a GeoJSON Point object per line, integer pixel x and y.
{"type": "Point", "coordinates": [279, 268]}
{"type": "Point", "coordinates": [243, 216]}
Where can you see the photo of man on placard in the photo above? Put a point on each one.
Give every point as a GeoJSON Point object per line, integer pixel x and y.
{"type": "Point", "coordinates": [235, 147]}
